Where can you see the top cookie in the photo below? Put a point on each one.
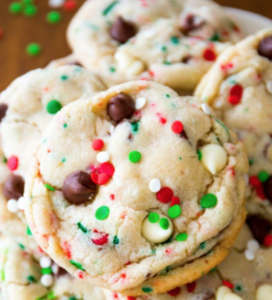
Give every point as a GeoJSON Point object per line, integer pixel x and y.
{"type": "Point", "coordinates": [118, 193]}
{"type": "Point", "coordinates": [171, 42]}
{"type": "Point", "coordinates": [239, 88]}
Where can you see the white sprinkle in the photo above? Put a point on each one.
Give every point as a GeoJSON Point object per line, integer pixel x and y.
{"type": "Point", "coordinates": [12, 206]}
{"type": "Point", "coordinates": [55, 268]}
{"type": "Point", "coordinates": [21, 203]}
{"type": "Point", "coordinates": [253, 246]}
{"type": "Point", "coordinates": [45, 262]}
{"type": "Point", "coordinates": [269, 86]}
{"type": "Point", "coordinates": [206, 108]}
{"type": "Point", "coordinates": [154, 185]}
{"type": "Point", "coordinates": [140, 103]}
{"type": "Point", "coordinates": [249, 255]}
{"type": "Point", "coordinates": [55, 3]}
{"type": "Point", "coordinates": [103, 156]}
{"type": "Point", "coordinates": [47, 280]}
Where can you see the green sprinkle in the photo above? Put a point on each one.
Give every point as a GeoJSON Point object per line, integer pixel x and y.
{"type": "Point", "coordinates": [263, 176]}
{"type": "Point", "coordinates": [167, 63]}
{"type": "Point", "coordinates": [238, 288]}
{"type": "Point", "coordinates": [15, 8]}
{"type": "Point", "coordinates": [51, 296]}
{"type": "Point", "coordinates": [147, 289]}
{"type": "Point", "coordinates": [53, 107]}
{"type": "Point", "coordinates": [208, 201]}
{"type": "Point", "coordinates": [167, 95]}
{"type": "Point", "coordinates": [28, 231]}
{"type": "Point", "coordinates": [212, 270]}
{"type": "Point", "coordinates": [202, 245]}
{"type": "Point", "coordinates": [134, 156]}
{"type": "Point", "coordinates": [153, 217]}
{"type": "Point", "coordinates": [175, 40]}
{"type": "Point", "coordinates": [109, 8]}
{"type": "Point", "coordinates": [112, 69]}
{"type": "Point", "coordinates": [181, 237]}
{"type": "Point", "coordinates": [116, 240]}
{"type": "Point", "coordinates": [33, 49]}
{"type": "Point", "coordinates": [53, 17]}
{"type": "Point", "coordinates": [251, 161]}
{"type": "Point", "coordinates": [31, 278]}
{"type": "Point", "coordinates": [49, 187]}
{"type": "Point", "coordinates": [215, 37]}
{"type": "Point", "coordinates": [226, 129]}
{"type": "Point", "coordinates": [65, 125]}
{"type": "Point", "coordinates": [64, 77]}
{"type": "Point", "coordinates": [46, 271]}
{"type": "Point", "coordinates": [174, 211]}
{"type": "Point", "coordinates": [82, 228]}
{"type": "Point", "coordinates": [30, 10]}
{"type": "Point", "coordinates": [22, 246]}
{"type": "Point", "coordinates": [72, 298]}
{"type": "Point", "coordinates": [2, 275]}
{"type": "Point", "coordinates": [77, 265]}
{"type": "Point", "coordinates": [164, 48]}
{"type": "Point", "coordinates": [102, 213]}
{"type": "Point", "coordinates": [199, 154]}
{"type": "Point", "coordinates": [27, 2]}
{"type": "Point", "coordinates": [135, 127]}
{"type": "Point", "coordinates": [164, 223]}
{"type": "Point", "coordinates": [63, 160]}
{"type": "Point", "coordinates": [5, 160]}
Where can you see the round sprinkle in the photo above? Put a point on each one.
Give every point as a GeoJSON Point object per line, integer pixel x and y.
{"type": "Point", "coordinates": [45, 262]}
{"type": "Point", "coordinates": [134, 156]}
{"type": "Point", "coordinates": [174, 292]}
{"type": "Point", "coordinates": [103, 156]}
{"type": "Point", "coordinates": [174, 211]}
{"type": "Point", "coordinates": [208, 201]}
{"type": "Point", "coordinates": [33, 49]}
{"type": "Point", "coordinates": [97, 144]}
{"type": "Point", "coordinates": [13, 163]}
{"type": "Point", "coordinates": [154, 185]}
{"type": "Point", "coordinates": [153, 217]}
{"type": "Point", "coordinates": [249, 255]}
{"type": "Point", "coordinates": [102, 213]}
{"type": "Point", "coordinates": [21, 203]}
{"type": "Point", "coordinates": [165, 195]}
{"type": "Point", "coordinates": [47, 280]}
{"type": "Point", "coordinates": [181, 237]}
{"type": "Point", "coordinates": [268, 240]}
{"type": "Point", "coordinates": [236, 93]}
{"type": "Point", "coordinates": [206, 108]}
{"type": "Point", "coordinates": [30, 10]}
{"type": "Point", "coordinates": [209, 55]}
{"type": "Point", "coordinates": [15, 8]}
{"type": "Point", "coordinates": [140, 103]}
{"type": "Point", "coordinates": [12, 206]}
{"type": "Point", "coordinates": [263, 176]}
{"type": "Point", "coordinates": [253, 246]}
{"type": "Point", "coordinates": [56, 3]}
{"type": "Point", "coordinates": [53, 17]}
{"type": "Point", "coordinates": [174, 201]}
{"type": "Point", "coordinates": [177, 127]}
{"type": "Point", "coordinates": [53, 107]}
{"type": "Point", "coordinates": [69, 5]}
{"type": "Point", "coordinates": [164, 223]}
{"type": "Point", "coordinates": [254, 181]}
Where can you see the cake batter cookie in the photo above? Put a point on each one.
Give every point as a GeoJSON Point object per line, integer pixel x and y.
{"type": "Point", "coordinates": [23, 277]}
{"type": "Point", "coordinates": [125, 191]}
{"type": "Point", "coordinates": [239, 88]}
{"type": "Point", "coordinates": [171, 42]}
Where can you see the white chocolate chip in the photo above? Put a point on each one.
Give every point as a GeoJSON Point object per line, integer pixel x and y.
{"type": "Point", "coordinates": [153, 231]}
{"type": "Point", "coordinates": [206, 108]}
{"type": "Point", "coordinates": [55, 268]}
{"type": "Point", "coordinates": [12, 206]}
{"type": "Point", "coordinates": [140, 103]}
{"type": "Point", "coordinates": [269, 86]}
{"type": "Point", "coordinates": [47, 280]}
{"type": "Point", "coordinates": [154, 185]}
{"type": "Point", "coordinates": [249, 255]}
{"type": "Point", "coordinates": [224, 293]}
{"type": "Point", "coordinates": [45, 262]}
{"type": "Point", "coordinates": [264, 292]}
{"type": "Point", "coordinates": [136, 68]}
{"type": "Point", "coordinates": [214, 158]}
{"type": "Point", "coordinates": [253, 246]}
{"type": "Point", "coordinates": [128, 64]}
{"type": "Point", "coordinates": [103, 156]}
{"type": "Point", "coordinates": [21, 203]}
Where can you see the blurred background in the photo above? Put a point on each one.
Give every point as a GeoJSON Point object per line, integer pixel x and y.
{"type": "Point", "coordinates": [37, 25]}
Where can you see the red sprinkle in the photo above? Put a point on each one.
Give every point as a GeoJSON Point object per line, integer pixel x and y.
{"type": "Point", "coordinates": [236, 93]}
{"type": "Point", "coordinates": [174, 201]}
{"type": "Point", "coordinates": [69, 5]}
{"type": "Point", "coordinates": [209, 55]}
{"type": "Point", "coordinates": [97, 144]}
{"type": "Point", "coordinates": [12, 163]}
{"type": "Point", "coordinates": [130, 298]}
{"type": "Point", "coordinates": [115, 296]}
{"type": "Point", "coordinates": [191, 287]}
{"type": "Point", "coordinates": [67, 249]}
{"type": "Point", "coordinates": [177, 127]}
{"type": "Point", "coordinates": [174, 292]}
{"type": "Point", "coordinates": [80, 275]}
{"type": "Point", "coordinates": [260, 192]}
{"type": "Point", "coordinates": [165, 195]}
{"type": "Point", "coordinates": [106, 168]}
{"type": "Point", "coordinates": [102, 240]}
{"type": "Point", "coordinates": [268, 240]}
{"type": "Point", "coordinates": [228, 284]}
{"type": "Point", "coordinates": [100, 179]}
{"type": "Point", "coordinates": [112, 196]}
{"type": "Point", "coordinates": [254, 181]}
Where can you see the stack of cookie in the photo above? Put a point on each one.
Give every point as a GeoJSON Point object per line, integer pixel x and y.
{"type": "Point", "coordinates": [114, 186]}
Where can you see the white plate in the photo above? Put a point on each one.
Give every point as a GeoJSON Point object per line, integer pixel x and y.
{"type": "Point", "coordinates": [248, 22]}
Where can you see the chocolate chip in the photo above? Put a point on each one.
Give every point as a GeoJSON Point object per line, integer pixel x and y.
{"type": "Point", "coordinates": [78, 187]}
{"type": "Point", "coordinates": [265, 47]}
{"type": "Point", "coordinates": [13, 187]}
{"type": "Point", "coordinates": [3, 110]}
{"type": "Point", "coordinates": [120, 107]}
{"type": "Point", "coordinates": [259, 227]}
{"type": "Point", "coordinates": [186, 59]}
{"type": "Point", "coordinates": [121, 31]}
{"type": "Point", "coordinates": [267, 186]}
{"type": "Point", "coordinates": [192, 23]}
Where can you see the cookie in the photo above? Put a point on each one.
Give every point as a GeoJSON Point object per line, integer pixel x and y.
{"type": "Point", "coordinates": [239, 88]}
{"type": "Point", "coordinates": [23, 277]}
{"type": "Point", "coordinates": [26, 107]}
{"type": "Point", "coordinates": [170, 42]}
{"type": "Point", "coordinates": [118, 193]}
